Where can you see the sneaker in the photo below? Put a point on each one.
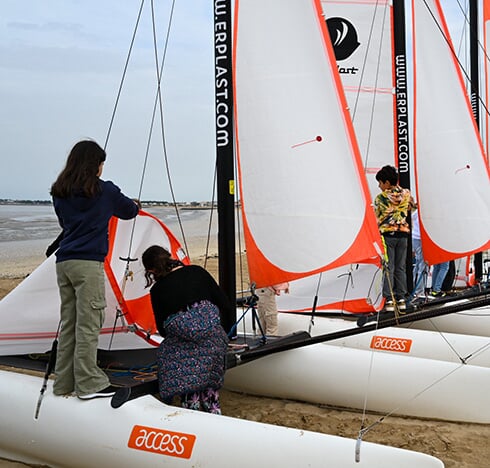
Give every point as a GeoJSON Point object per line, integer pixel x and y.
{"type": "Point", "coordinates": [418, 300]}
{"type": "Point", "coordinates": [402, 305]}
{"type": "Point", "coordinates": [437, 294]}
{"type": "Point", "coordinates": [389, 306]}
{"type": "Point", "coordinates": [104, 393]}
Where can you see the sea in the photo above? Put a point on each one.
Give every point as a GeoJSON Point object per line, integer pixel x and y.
{"type": "Point", "coordinates": [26, 230]}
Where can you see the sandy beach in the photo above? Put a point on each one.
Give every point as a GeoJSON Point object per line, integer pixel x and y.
{"type": "Point", "coordinates": [456, 444]}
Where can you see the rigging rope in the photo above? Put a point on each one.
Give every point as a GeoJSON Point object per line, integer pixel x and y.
{"type": "Point", "coordinates": [123, 74]}
{"type": "Point", "coordinates": [455, 55]}
{"type": "Point", "coordinates": [128, 274]}
{"type": "Point", "coordinates": [371, 119]}
{"type": "Point", "coordinates": [210, 223]}
{"type": "Point", "coordinates": [365, 430]}
{"type": "Point", "coordinates": [159, 101]}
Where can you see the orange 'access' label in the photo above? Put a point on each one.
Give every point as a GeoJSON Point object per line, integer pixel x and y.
{"type": "Point", "coordinates": [389, 343]}
{"type": "Point", "coordinates": [150, 439]}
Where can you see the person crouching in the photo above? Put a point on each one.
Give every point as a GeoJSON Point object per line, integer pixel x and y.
{"type": "Point", "coordinates": [187, 304]}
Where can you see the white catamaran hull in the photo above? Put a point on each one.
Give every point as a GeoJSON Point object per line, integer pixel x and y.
{"type": "Point", "coordinates": [413, 342]}
{"type": "Point", "coordinates": [145, 432]}
{"type": "Point", "coordinates": [384, 382]}
{"type": "Point", "coordinates": [469, 322]}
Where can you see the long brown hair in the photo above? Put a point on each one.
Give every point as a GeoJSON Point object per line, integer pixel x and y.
{"type": "Point", "coordinates": [158, 263]}
{"type": "Point", "coordinates": [80, 172]}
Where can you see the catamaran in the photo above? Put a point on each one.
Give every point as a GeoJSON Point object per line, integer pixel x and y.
{"type": "Point", "coordinates": [307, 219]}
{"type": "Point", "coordinates": [38, 427]}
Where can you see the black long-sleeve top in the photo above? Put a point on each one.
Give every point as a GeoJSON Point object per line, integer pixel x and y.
{"type": "Point", "coordinates": [183, 287]}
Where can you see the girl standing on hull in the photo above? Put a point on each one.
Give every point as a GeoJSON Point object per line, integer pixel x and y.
{"type": "Point", "coordinates": [84, 204]}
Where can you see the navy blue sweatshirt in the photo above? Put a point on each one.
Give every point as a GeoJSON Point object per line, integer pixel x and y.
{"type": "Point", "coordinates": [85, 222]}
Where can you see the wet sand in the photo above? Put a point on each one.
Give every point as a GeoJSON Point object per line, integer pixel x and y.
{"type": "Point", "coordinates": [459, 445]}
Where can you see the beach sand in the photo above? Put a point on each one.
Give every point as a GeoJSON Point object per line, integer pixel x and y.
{"type": "Point", "coordinates": [459, 445]}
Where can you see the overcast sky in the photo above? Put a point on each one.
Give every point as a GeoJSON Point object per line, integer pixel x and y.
{"type": "Point", "coordinates": [61, 62]}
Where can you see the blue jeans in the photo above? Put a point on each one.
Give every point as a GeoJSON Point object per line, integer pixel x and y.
{"type": "Point", "coordinates": [419, 269]}
{"type": "Point", "coordinates": [395, 277]}
{"type": "Point", "coordinates": [439, 272]}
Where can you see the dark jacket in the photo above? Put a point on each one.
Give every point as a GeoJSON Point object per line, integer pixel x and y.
{"type": "Point", "coordinates": [85, 222]}
{"type": "Point", "coordinates": [184, 287]}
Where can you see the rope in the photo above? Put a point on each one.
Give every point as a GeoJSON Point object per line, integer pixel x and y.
{"type": "Point", "coordinates": [138, 374]}
{"type": "Point", "coordinates": [213, 196]}
{"type": "Point", "coordinates": [451, 48]}
{"type": "Point", "coordinates": [414, 397]}
{"type": "Point", "coordinates": [371, 119]}
{"type": "Point", "coordinates": [158, 100]}
{"type": "Point", "coordinates": [241, 266]}
{"type": "Point", "coordinates": [123, 75]}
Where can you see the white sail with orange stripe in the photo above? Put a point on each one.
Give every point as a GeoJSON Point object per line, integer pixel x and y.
{"type": "Point", "coordinates": [451, 172]}
{"type": "Point", "coordinates": [354, 289]}
{"type": "Point", "coordinates": [305, 200]}
{"type": "Point", "coordinates": [128, 317]}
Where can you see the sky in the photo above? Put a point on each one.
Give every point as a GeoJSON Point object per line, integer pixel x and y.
{"type": "Point", "coordinates": [61, 63]}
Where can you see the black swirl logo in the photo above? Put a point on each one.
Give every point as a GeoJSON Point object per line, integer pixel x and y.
{"type": "Point", "coordinates": [343, 35]}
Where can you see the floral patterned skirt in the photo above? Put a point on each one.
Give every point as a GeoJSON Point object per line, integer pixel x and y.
{"type": "Point", "coordinates": [192, 356]}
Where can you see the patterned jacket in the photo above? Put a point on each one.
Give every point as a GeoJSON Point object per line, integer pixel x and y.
{"type": "Point", "coordinates": [391, 207]}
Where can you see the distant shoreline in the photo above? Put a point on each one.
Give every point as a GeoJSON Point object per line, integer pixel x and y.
{"type": "Point", "coordinates": [184, 205]}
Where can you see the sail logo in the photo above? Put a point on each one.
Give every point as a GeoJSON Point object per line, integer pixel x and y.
{"type": "Point", "coordinates": [389, 343]}
{"type": "Point", "coordinates": [150, 439]}
{"type": "Point", "coordinates": [343, 35]}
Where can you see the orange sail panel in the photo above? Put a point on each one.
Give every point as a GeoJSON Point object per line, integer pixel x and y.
{"type": "Point", "coordinates": [451, 172]}
{"type": "Point", "coordinates": [124, 270]}
{"type": "Point", "coordinates": [304, 196]}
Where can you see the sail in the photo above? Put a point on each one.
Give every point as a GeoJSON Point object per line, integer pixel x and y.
{"type": "Point", "coordinates": [30, 313]}
{"type": "Point", "coordinates": [486, 72]}
{"type": "Point", "coordinates": [451, 172]}
{"type": "Point", "coordinates": [354, 288]}
{"type": "Point", "coordinates": [362, 39]}
{"type": "Point", "coordinates": [305, 201]}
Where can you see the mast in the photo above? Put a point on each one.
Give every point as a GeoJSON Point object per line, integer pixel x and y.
{"type": "Point", "coordinates": [402, 145]}
{"type": "Point", "coordinates": [224, 152]}
{"type": "Point", "coordinates": [475, 98]}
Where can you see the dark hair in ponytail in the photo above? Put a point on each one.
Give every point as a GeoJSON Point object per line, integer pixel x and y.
{"type": "Point", "coordinates": [158, 263]}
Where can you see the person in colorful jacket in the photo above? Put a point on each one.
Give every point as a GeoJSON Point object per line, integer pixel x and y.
{"type": "Point", "coordinates": [392, 207]}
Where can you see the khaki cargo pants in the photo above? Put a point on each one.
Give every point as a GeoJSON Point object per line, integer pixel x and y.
{"type": "Point", "coordinates": [82, 293]}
